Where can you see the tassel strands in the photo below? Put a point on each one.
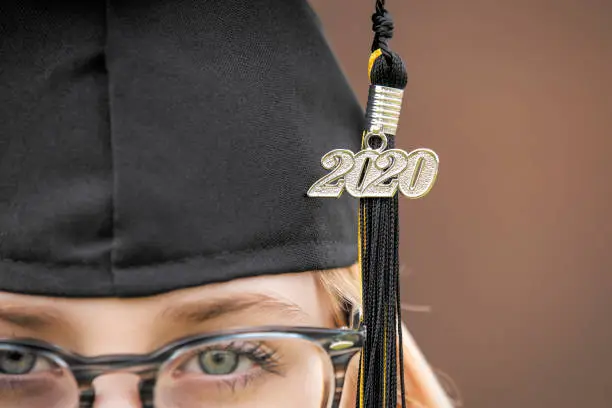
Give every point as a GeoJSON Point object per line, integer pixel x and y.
{"type": "Point", "coordinates": [379, 246]}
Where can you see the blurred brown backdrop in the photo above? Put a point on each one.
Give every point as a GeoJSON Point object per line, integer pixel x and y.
{"type": "Point", "coordinates": [510, 249]}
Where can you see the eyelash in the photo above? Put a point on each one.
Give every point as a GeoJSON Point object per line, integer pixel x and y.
{"type": "Point", "coordinates": [264, 356]}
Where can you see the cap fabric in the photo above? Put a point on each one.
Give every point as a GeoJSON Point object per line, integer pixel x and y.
{"type": "Point", "coordinates": [151, 145]}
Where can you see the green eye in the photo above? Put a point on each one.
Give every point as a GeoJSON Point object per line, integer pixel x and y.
{"type": "Point", "coordinates": [16, 362]}
{"type": "Point", "coordinates": [219, 362]}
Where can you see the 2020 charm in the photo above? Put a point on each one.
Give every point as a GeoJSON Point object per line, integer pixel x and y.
{"type": "Point", "coordinates": [377, 172]}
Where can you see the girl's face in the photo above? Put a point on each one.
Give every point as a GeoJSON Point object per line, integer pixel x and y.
{"type": "Point", "coordinates": [93, 327]}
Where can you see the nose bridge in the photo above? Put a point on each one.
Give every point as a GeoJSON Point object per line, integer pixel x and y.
{"type": "Point", "coordinates": [117, 390]}
{"type": "Point", "coordinates": [118, 380]}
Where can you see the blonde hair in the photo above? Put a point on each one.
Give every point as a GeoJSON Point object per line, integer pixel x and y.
{"type": "Point", "coordinates": [423, 389]}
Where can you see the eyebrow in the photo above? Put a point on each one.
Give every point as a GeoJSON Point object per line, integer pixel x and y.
{"type": "Point", "coordinates": [28, 317]}
{"type": "Point", "coordinates": [201, 311]}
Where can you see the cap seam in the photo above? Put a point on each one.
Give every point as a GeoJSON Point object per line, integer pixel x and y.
{"type": "Point", "coordinates": [109, 90]}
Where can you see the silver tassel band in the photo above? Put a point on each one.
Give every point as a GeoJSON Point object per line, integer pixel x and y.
{"type": "Point", "coordinates": [383, 110]}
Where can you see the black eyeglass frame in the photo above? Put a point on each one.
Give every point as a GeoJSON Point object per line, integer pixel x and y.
{"type": "Point", "coordinates": [339, 344]}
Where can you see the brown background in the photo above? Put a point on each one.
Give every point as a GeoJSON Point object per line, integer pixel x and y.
{"type": "Point", "coordinates": [510, 249]}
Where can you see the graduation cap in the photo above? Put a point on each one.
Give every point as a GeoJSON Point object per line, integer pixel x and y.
{"type": "Point", "coordinates": [158, 145]}
{"type": "Point", "coordinates": [153, 146]}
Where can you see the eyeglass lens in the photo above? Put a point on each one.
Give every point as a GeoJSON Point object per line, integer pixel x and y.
{"type": "Point", "coordinates": [35, 380]}
{"type": "Point", "coordinates": [240, 372]}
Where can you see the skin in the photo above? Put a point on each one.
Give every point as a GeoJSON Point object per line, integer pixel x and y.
{"type": "Point", "coordinates": [94, 327]}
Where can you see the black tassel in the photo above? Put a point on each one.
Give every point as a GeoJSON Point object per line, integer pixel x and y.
{"type": "Point", "coordinates": [379, 255]}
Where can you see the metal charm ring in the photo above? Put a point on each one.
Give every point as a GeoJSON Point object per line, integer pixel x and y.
{"type": "Point", "coordinates": [383, 139]}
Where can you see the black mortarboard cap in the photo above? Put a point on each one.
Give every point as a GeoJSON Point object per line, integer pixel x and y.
{"type": "Point", "coordinates": [147, 146]}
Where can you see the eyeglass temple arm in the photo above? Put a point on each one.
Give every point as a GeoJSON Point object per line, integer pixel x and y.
{"type": "Point", "coordinates": [353, 316]}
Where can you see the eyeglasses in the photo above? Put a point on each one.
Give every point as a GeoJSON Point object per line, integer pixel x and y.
{"type": "Point", "coordinates": [263, 367]}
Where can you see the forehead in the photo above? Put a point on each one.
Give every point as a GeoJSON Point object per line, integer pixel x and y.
{"type": "Point", "coordinates": [287, 299]}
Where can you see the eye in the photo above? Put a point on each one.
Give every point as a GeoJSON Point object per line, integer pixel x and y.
{"type": "Point", "coordinates": [219, 362]}
{"type": "Point", "coordinates": [231, 359]}
{"type": "Point", "coordinates": [14, 362]}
